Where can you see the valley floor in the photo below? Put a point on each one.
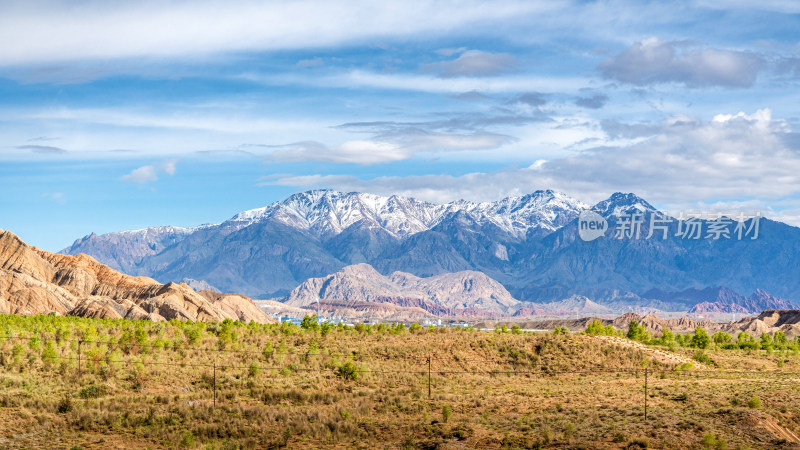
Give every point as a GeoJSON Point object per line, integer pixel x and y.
{"type": "Point", "coordinates": [83, 383]}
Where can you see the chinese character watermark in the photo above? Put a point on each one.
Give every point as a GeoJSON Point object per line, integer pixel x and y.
{"type": "Point", "coordinates": [656, 225]}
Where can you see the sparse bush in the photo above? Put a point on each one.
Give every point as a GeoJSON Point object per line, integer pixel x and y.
{"type": "Point", "coordinates": [49, 354]}
{"type": "Point", "coordinates": [516, 329]}
{"type": "Point", "coordinates": [596, 328]}
{"type": "Point", "coordinates": [754, 402]}
{"type": "Point", "coordinates": [268, 350]}
{"type": "Point", "coordinates": [700, 356]}
{"type": "Point", "coordinates": [447, 411]}
{"type": "Point", "coordinates": [92, 391]}
{"type": "Point", "coordinates": [64, 405]}
{"type": "Point", "coordinates": [348, 371]}
{"type": "Point", "coordinates": [187, 440]}
{"type": "Point", "coordinates": [710, 441]}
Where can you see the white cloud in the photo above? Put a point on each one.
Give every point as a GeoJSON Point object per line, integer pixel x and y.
{"type": "Point", "coordinates": [149, 173]}
{"type": "Point", "coordinates": [49, 31]}
{"type": "Point", "coordinates": [427, 83]}
{"type": "Point", "coordinates": [678, 162]}
{"type": "Point", "coordinates": [169, 167]}
{"type": "Point", "coordinates": [144, 174]}
{"type": "Point", "coordinates": [655, 61]}
{"type": "Point", "coordinates": [475, 63]}
{"type": "Point", "coordinates": [395, 146]}
{"type": "Point", "coordinates": [363, 152]}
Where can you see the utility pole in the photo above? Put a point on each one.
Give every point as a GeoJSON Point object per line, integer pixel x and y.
{"type": "Point", "coordinates": [215, 383]}
{"type": "Point", "coordinates": [645, 394]}
{"type": "Point", "coordinates": [80, 372]}
{"type": "Point", "coordinates": [429, 377]}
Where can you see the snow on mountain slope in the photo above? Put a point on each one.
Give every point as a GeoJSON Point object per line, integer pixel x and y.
{"type": "Point", "coordinates": [325, 212]}
{"type": "Point", "coordinates": [620, 204]}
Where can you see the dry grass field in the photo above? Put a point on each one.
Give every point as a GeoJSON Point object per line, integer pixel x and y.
{"type": "Point", "coordinates": [235, 385]}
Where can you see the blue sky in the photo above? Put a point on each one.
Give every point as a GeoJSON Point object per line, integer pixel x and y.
{"type": "Point", "coordinates": [126, 115]}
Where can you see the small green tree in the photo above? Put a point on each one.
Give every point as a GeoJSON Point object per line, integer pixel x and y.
{"type": "Point", "coordinates": [780, 339]}
{"type": "Point", "coordinates": [700, 338]}
{"type": "Point", "coordinates": [49, 354]}
{"type": "Point", "coordinates": [309, 323]}
{"type": "Point", "coordinates": [594, 328]}
{"type": "Point", "coordinates": [559, 330]}
{"type": "Point", "coordinates": [766, 340]}
{"type": "Point", "coordinates": [516, 329]}
{"type": "Point", "coordinates": [721, 337]}
{"type": "Point", "coordinates": [268, 350]}
{"type": "Point", "coordinates": [666, 335]}
{"type": "Point", "coordinates": [348, 371]}
{"type": "Point", "coordinates": [633, 330]}
{"type": "Point", "coordinates": [447, 411]}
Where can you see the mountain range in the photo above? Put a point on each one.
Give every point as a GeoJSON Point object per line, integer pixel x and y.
{"type": "Point", "coordinates": [528, 244]}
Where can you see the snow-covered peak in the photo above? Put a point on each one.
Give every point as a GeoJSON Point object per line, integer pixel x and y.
{"type": "Point", "coordinates": [620, 204]}
{"type": "Point", "coordinates": [326, 213]}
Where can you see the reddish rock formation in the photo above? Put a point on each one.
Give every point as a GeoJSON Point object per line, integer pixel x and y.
{"type": "Point", "coordinates": [33, 281]}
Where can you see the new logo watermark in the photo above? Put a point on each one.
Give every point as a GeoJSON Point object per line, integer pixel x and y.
{"type": "Point", "coordinates": [694, 226]}
{"type": "Point", "coordinates": [591, 225]}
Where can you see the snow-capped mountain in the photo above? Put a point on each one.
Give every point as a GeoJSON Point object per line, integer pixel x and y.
{"type": "Point", "coordinates": [529, 244]}
{"type": "Point", "coordinates": [327, 212]}
{"type": "Point", "coordinates": [620, 204]}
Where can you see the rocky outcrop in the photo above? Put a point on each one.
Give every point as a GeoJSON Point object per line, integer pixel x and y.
{"type": "Point", "coordinates": [727, 301]}
{"type": "Point", "coordinates": [460, 293]}
{"type": "Point", "coordinates": [33, 281]}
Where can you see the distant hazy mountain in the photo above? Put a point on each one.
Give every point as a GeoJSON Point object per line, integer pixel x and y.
{"type": "Point", "coordinates": [529, 244]}
{"type": "Point", "coordinates": [452, 294]}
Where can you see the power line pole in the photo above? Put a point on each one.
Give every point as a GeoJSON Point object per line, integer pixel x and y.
{"type": "Point", "coordinates": [80, 372]}
{"type": "Point", "coordinates": [215, 384]}
{"type": "Point", "coordinates": [429, 377]}
{"type": "Point", "coordinates": [645, 394]}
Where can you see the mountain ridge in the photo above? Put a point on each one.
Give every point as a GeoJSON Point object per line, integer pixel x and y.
{"type": "Point", "coordinates": [529, 244]}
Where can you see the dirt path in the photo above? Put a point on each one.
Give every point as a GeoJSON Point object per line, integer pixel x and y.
{"type": "Point", "coordinates": [666, 357]}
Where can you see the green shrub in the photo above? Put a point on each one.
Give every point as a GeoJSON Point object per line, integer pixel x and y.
{"type": "Point", "coordinates": [92, 391]}
{"type": "Point", "coordinates": [49, 354]}
{"type": "Point", "coordinates": [268, 351]}
{"type": "Point", "coordinates": [187, 440]}
{"type": "Point", "coordinates": [754, 402]}
{"type": "Point", "coordinates": [64, 405]}
{"type": "Point", "coordinates": [447, 411]}
{"type": "Point", "coordinates": [699, 356]}
{"type": "Point", "coordinates": [700, 338]}
{"type": "Point", "coordinates": [348, 371]}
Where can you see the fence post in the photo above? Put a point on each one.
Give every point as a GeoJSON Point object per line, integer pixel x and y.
{"type": "Point", "coordinates": [645, 394]}
{"type": "Point", "coordinates": [215, 384]}
{"type": "Point", "coordinates": [80, 372]}
{"type": "Point", "coordinates": [429, 377]}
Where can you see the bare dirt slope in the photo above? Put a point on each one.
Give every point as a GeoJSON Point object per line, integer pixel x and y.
{"type": "Point", "coordinates": [34, 281]}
